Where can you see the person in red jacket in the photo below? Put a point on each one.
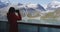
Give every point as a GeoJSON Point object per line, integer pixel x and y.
{"type": "Point", "coordinates": [12, 19]}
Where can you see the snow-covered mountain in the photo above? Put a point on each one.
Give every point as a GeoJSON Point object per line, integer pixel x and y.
{"type": "Point", "coordinates": [32, 9]}
{"type": "Point", "coordinates": [53, 5]}
{"type": "Point", "coordinates": [33, 6]}
{"type": "Point", "coordinates": [52, 15]}
{"type": "Point", "coordinates": [36, 6]}
{"type": "Point", "coordinates": [19, 4]}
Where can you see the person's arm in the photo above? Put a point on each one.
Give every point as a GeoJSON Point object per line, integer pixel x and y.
{"type": "Point", "coordinates": [19, 16]}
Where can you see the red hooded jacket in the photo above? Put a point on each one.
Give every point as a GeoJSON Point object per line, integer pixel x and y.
{"type": "Point", "coordinates": [12, 19]}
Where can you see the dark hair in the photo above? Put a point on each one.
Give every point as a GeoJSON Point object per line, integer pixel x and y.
{"type": "Point", "coordinates": [11, 10]}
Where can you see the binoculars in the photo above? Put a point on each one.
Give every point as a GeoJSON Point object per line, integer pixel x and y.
{"type": "Point", "coordinates": [16, 10]}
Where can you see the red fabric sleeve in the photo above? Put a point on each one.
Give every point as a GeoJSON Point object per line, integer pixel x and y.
{"type": "Point", "coordinates": [19, 17]}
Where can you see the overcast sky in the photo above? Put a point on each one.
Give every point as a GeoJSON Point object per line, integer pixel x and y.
{"type": "Point", "coordinates": [41, 2]}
